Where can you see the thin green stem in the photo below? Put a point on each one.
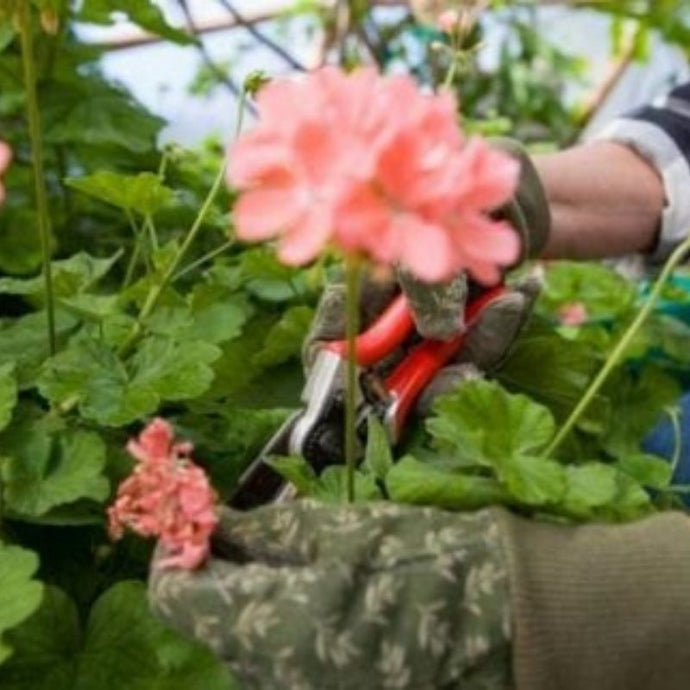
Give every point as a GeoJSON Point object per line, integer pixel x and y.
{"type": "Point", "coordinates": [131, 265]}
{"type": "Point", "coordinates": [203, 259]}
{"type": "Point", "coordinates": [34, 118]}
{"type": "Point", "coordinates": [157, 290]}
{"type": "Point", "coordinates": [614, 358]}
{"type": "Point", "coordinates": [153, 236]}
{"type": "Point", "coordinates": [352, 272]}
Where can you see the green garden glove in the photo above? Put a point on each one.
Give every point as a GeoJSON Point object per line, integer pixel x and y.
{"type": "Point", "coordinates": [303, 596]}
{"type": "Point", "coordinates": [378, 596]}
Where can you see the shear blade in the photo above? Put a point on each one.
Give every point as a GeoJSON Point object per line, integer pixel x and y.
{"type": "Point", "coordinates": [260, 483]}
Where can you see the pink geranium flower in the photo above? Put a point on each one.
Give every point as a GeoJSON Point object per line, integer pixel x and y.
{"type": "Point", "coordinates": [573, 314]}
{"type": "Point", "coordinates": [167, 496]}
{"type": "Point", "coordinates": [5, 160]}
{"type": "Point", "coordinates": [372, 166]}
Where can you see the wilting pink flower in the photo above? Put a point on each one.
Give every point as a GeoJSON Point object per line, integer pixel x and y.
{"type": "Point", "coordinates": [573, 314]}
{"type": "Point", "coordinates": [167, 496]}
{"type": "Point", "coordinates": [448, 21]}
{"type": "Point", "coordinates": [5, 160]}
{"type": "Point", "coordinates": [372, 166]}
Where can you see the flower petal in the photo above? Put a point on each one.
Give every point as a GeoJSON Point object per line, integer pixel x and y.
{"type": "Point", "coordinates": [263, 213]}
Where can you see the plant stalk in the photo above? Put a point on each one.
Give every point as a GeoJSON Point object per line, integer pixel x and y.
{"type": "Point", "coordinates": [352, 273]}
{"type": "Point", "coordinates": [614, 358]}
{"type": "Point", "coordinates": [156, 291]}
{"type": "Point", "coordinates": [34, 118]}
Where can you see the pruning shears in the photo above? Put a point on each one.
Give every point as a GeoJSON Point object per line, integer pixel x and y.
{"type": "Point", "coordinates": [316, 432]}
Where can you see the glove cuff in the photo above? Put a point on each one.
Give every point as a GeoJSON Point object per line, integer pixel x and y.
{"type": "Point", "coordinates": [528, 211]}
{"type": "Point", "coordinates": [600, 606]}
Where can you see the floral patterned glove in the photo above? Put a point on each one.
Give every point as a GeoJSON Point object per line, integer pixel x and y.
{"type": "Point", "coordinates": [310, 597]}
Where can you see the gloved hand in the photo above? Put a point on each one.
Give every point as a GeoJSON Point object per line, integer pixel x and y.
{"type": "Point", "coordinates": [303, 596]}
{"type": "Point", "coordinates": [438, 309]}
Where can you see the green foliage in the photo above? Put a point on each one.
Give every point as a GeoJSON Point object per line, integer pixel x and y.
{"type": "Point", "coordinates": [46, 467]}
{"type": "Point", "coordinates": [378, 458]}
{"type": "Point", "coordinates": [143, 193]}
{"type": "Point", "coordinates": [121, 646]}
{"type": "Point", "coordinates": [459, 425]}
{"type": "Point", "coordinates": [20, 595]}
{"type": "Point", "coordinates": [8, 394]}
{"type": "Point", "coordinates": [145, 13]}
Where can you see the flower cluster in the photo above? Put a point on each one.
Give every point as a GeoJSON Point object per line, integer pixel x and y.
{"type": "Point", "coordinates": [373, 166]}
{"type": "Point", "coordinates": [5, 160]}
{"type": "Point", "coordinates": [167, 496]}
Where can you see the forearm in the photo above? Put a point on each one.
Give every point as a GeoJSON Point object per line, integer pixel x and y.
{"type": "Point", "coordinates": [605, 201]}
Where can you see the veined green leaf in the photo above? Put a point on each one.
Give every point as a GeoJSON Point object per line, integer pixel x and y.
{"type": "Point", "coordinates": [20, 594]}
{"type": "Point", "coordinates": [89, 374]}
{"type": "Point", "coordinates": [284, 340]}
{"type": "Point", "coordinates": [46, 468]}
{"type": "Point", "coordinates": [143, 193]}
{"type": "Point", "coordinates": [121, 646]}
{"type": "Point", "coordinates": [415, 482]}
{"type": "Point", "coordinates": [481, 423]}
{"type": "Point", "coordinates": [70, 276]}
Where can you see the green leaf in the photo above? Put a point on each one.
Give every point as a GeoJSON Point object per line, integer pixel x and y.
{"type": "Point", "coordinates": [24, 342]}
{"type": "Point", "coordinates": [589, 486]}
{"type": "Point", "coordinates": [95, 308]}
{"type": "Point", "coordinates": [637, 403]}
{"type": "Point", "coordinates": [122, 646]}
{"type": "Point", "coordinates": [47, 468]}
{"type": "Point", "coordinates": [268, 279]}
{"type": "Point", "coordinates": [90, 375]}
{"type": "Point", "coordinates": [550, 369]}
{"type": "Point", "coordinates": [107, 391]}
{"type": "Point", "coordinates": [330, 487]}
{"type": "Point", "coordinates": [297, 471]}
{"type": "Point", "coordinates": [210, 321]}
{"type": "Point", "coordinates": [8, 394]}
{"type": "Point", "coordinates": [378, 458]}
{"type": "Point", "coordinates": [70, 277]}
{"type": "Point", "coordinates": [533, 481]}
{"type": "Point", "coordinates": [284, 340]}
{"type": "Point", "coordinates": [647, 470]}
{"type": "Point", "coordinates": [174, 370]}
{"type": "Point", "coordinates": [142, 12]}
{"type": "Point", "coordinates": [481, 423]}
{"type": "Point", "coordinates": [604, 293]}
{"type": "Point", "coordinates": [143, 193]}
{"type": "Point", "coordinates": [418, 483]}
{"type": "Point", "coordinates": [20, 595]}
{"type": "Point", "coordinates": [88, 112]}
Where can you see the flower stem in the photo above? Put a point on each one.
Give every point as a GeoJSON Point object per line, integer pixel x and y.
{"type": "Point", "coordinates": [34, 118]}
{"type": "Point", "coordinates": [203, 259]}
{"type": "Point", "coordinates": [352, 272]}
{"type": "Point", "coordinates": [614, 358]}
{"type": "Point", "coordinates": [157, 290]}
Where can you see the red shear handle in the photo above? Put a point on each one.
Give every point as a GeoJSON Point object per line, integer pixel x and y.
{"type": "Point", "coordinates": [417, 370]}
{"type": "Point", "coordinates": [387, 333]}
